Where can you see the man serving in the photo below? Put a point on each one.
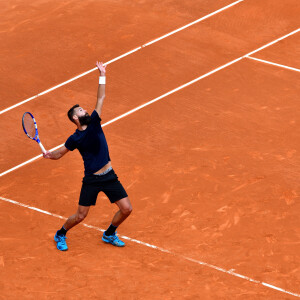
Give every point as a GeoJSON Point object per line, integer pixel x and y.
{"type": "Point", "coordinates": [99, 176]}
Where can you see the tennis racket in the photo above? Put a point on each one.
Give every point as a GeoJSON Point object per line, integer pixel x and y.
{"type": "Point", "coordinates": [30, 128]}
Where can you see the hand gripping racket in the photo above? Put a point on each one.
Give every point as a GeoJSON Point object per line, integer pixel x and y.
{"type": "Point", "coordinates": [30, 128]}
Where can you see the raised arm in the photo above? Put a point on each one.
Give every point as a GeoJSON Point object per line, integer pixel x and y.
{"type": "Point", "coordinates": [57, 154]}
{"type": "Point", "coordinates": [101, 87]}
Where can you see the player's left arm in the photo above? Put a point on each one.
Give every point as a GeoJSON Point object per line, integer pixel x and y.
{"type": "Point", "coordinates": [101, 87]}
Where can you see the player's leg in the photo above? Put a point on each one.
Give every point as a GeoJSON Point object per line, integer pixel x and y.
{"type": "Point", "coordinates": [125, 209]}
{"type": "Point", "coordinates": [78, 217]}
{"type": "Point", "coordinates": [60, 236]}
{"type": "Point", "coordinates": [116, 194]}
{"type": "Point", "coordinates": [88, 197]}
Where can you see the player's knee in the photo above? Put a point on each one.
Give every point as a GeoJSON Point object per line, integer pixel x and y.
{"type": "Point", "coordinates": [80, 217]}
{"type": "Point", "coordinates": [126, 210]}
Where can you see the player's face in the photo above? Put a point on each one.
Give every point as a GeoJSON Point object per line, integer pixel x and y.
{"type": "Point", "coordinates": [83, 116]}
{"type": "Point", "coordinates": [81, 112]}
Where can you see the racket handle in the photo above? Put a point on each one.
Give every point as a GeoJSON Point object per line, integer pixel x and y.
{"type": "Point", "coordinates": [42, 147]}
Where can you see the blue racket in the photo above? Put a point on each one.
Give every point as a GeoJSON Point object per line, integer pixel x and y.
{"type": "Point", "coordinates": [30, 128]}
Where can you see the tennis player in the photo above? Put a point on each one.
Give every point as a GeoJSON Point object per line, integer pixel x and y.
{"type": "Point", "coordinates": [99, 176]}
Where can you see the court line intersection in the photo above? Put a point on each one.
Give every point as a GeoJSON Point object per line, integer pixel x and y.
{"type": "Point", "coordinates": [273, 63]}
{"type": "Point", "coordinates": [164, 95]}
{"type": "Point", "coordinates": [231, 271]}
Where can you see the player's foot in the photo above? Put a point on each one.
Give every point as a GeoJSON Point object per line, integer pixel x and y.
{"type": "Point", "coordinates": [61, 242]}
{"type": "Point", "coordinates": [112, 239]}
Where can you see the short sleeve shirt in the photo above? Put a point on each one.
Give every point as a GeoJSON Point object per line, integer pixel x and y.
{"type": "Point", "coordinates": [92, 145]}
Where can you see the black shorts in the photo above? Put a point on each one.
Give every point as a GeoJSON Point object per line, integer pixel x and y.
{"type": "Point", "coordinates": [108, 184]}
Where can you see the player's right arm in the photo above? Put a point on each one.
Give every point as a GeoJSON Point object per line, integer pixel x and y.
{"type": "Point", "coordinates": [101, 88]}
{"type": "Point", "coordinates": [57, 154]}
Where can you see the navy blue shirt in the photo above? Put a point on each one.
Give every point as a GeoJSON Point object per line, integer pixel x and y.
{"type": "Point", "coordinates": [91, 144]}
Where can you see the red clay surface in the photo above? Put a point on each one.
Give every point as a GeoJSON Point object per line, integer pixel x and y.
{"type": "Point", "coordinates": [286, 52]}
{"type": "Point", "coordinates": [47, 42]}
{"type": "Point", "coordinates": [212, 171]}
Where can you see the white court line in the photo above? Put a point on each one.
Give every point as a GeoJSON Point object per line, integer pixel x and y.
{"type": "Point", "coordinates": [230, 272]}
{"type": "Point", "coordinates": [162, 96]}
{"type": "Point", "coordinates": [121, 56]}
{"type": "Point", "coordinates": [274, 64]}
{"type": "Point", "coordinates": [273, 42]}
{"type": "Point", "coordinates": [192, 23]}
{"type": "Point", "coordinates": [131, 111]}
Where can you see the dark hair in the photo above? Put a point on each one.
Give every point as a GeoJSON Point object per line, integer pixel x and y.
{"type": "Point", "coordinates": [71, 112]}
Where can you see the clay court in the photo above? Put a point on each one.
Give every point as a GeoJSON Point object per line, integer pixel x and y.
{"type": "Point", "coordinates": [202, 123]}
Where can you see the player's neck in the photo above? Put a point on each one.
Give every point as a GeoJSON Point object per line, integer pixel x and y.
{"type": "Point", "coordinates": [81, 127]}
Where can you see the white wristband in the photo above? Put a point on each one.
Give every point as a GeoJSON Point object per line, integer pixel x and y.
{"type": "Point", "coordinates": [102, 80]}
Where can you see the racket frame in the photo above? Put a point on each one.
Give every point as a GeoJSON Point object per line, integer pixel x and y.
{"type": "Point", "coordinates": [36, 136]}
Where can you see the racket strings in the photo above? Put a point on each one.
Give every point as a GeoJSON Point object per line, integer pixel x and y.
{"type": "Point", "coordinates": [29, 125]}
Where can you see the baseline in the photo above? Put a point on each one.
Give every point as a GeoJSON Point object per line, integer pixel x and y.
{"type": "Point", "coordinates": [123, 55]}
{"type": "Point", "coordinates": [230, 272]}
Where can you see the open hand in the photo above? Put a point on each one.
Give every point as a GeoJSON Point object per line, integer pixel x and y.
{"type": "Point", "coordinates": [101, 67]}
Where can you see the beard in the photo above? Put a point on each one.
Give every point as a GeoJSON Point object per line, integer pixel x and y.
{"type": "Point", "coordinates": [85, 120]}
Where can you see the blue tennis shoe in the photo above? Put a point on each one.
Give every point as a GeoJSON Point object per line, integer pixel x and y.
{"type": "Point", "coordinates": [61, 242]}
{"type": "Point", "coordinates": [112, 239]}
